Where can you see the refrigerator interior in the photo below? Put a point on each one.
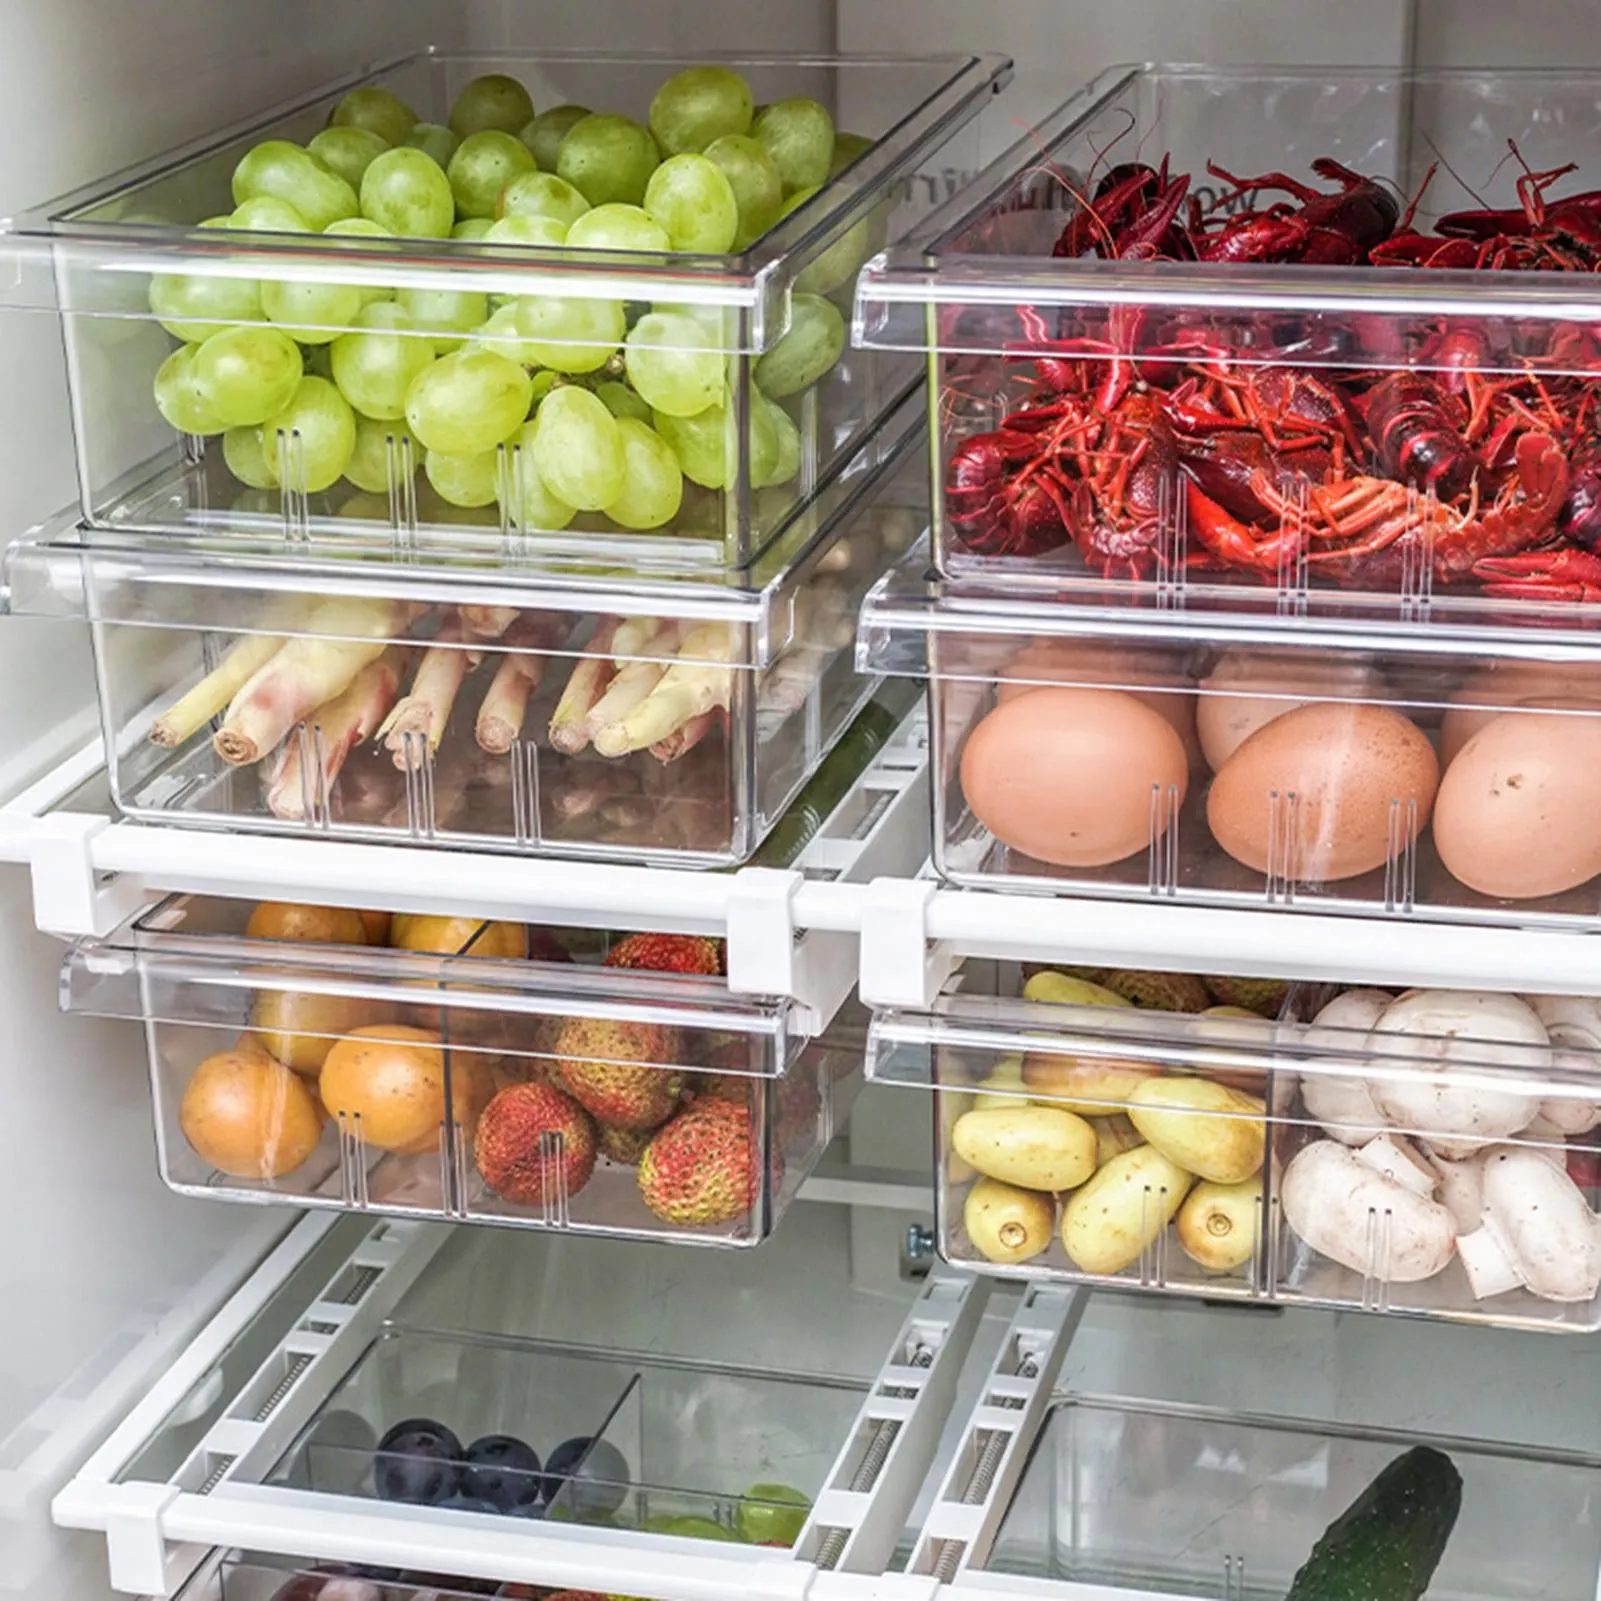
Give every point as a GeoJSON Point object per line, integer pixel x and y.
{"type": "Point", "coordinates": [107, 1275]}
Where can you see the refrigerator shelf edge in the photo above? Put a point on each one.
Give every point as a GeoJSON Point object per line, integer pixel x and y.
{"type": "Point", "coordinates": [159, 1528]}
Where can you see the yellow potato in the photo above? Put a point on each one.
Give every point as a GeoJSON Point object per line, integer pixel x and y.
{"type": "Point", "coordinates": [1007, 1224]}
{"type": "Point", "coordinates": [1109, 1223]}
{"type": "Point", "coordinates": [1189, 1120]}
{"type": "Point", "coordinates": [1001, 1086]}
{"type": "Point", "coordinates": [1092, 1087]}
{"type": "Point", "coordinates": [1218, 1224]}
{"type": "Point", "coordinates": [1038, 1147]}
{"type": "Point", "coordinates": [1113, 1136]}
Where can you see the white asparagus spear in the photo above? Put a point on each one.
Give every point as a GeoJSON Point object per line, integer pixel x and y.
{"type": "Point", "coordinates": [425, 708]}
{"type": "Point", "coordinates": [635, 678]}
{"type": "Point", "coordinates": [332, 732]}
{"type": "Point", "coordinates": [500, 718]}
{"type": "Point", "coordinates": [701, 681]}
{"type": "Point", "coordinates": [192, 711]}
{"type": "Point", "coordinates": [583, 688]}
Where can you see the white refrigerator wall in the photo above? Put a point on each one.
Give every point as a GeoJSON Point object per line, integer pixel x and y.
{"type": "Point", "coordinates": [102, 1270]}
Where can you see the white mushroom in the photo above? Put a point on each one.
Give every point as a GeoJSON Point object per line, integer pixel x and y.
{"type": "Point", "coordinates": [1392, 1156]}
{"type": "Point", "coordinates": [1573, 1023]}
{"type": "Point", "coordinates": [1537, 1231]}
{"type": "Point", "coordinates": [1342, 1103]}
{"type": "Point", "coordinates": [1347, 1210]}
{"type": "Point", "coordinates": [1462, 1190]}
{"type": "Point", "coordinates": [1466, 1036]}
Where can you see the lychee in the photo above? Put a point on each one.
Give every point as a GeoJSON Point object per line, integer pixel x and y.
{"type": "Point", "coordinates": [619, 1071]}
{"type": "Point", "coordinates": [1264, 996]}
{"type": "Point", "coordinates": [1159, 992]}
{"type": "Point", "coordinates": [535, 1146]}
{"type": "Point", "coordinates": [733, 1087]}
{"type": "Point", "coordinates": [624, 1146]}
{"type": "Point", "coordinates": [668, 953]}
{"type": "Point", "coordinates": [704, 1167]}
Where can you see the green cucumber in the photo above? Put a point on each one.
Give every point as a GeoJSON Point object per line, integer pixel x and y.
{"type": "Point", "coordinates": [1386, 1545]}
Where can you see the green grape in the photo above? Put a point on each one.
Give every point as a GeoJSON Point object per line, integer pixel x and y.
{"type": "Point", "coordinates": [408, 193]}
{"type": "Point", "coordinates": [542, 194]}
{"type": "Point", "coordinates": [347, 151]}
{"type": "Point", "coordinates": [786, 455]}
{"type": "Point", "coordinates": [813, 342]}
{"type": "Point", "coordinates": [608, 158]}
{"type": "Point", "coordinates": [502, 336]}
{"type": "Point", "coordinates": [491, 102]}
{"type": "Point", "coordinates": [473, 228]}
{"type": "Point", "coordinates": [578, 446]}
{"type": "Point", "coordinates": [698, 105]}
{"type": "Point", "coordinates": [433, 139]}
{"type": "Point", "coordinates": [361, 228]}
{"type": "Point", "coordinates": [669, 366]}
{"type": "Point", "coordinates": [265, 214]}
{"type": "Point", "coordinates": [468, 401]}
{"type": "Point", "coordinates": [312, 438]}
{"type": "Point", "coordinates": [484, 163]}
{"type": "Point", "coordinates": [704, 445]}
{"type": "Point", "coordinates": [376, 110]}
{"type": "Point", "coordinates": [376, 365]}
{"type": "Point", "coordinates": [448, 315]}
{"type": "Point", "coordinates": [848, 149]}
{"type": "Point", "coordinates": [758, 189]}
{"type": "Point", "coordinates": [544, 134]}
{"type": "Point", "coordinates": [247, 373]}
{"type": "Point", "coordinates": [313, 313]}
{"type": "Point", "coordinates": [653, 483]}
{"type": "Point", "coordinates": [523, 230]}
{"type": "Point", "coordinates": [385, 453]}
{"type": "Point", "coordinates": [618, 227]}
{"type": "Point", "coordinates": [247, 459]}
{"type": "Point", "coordinates": [840, 262]}
{"type": "Point", "coordinates": [192, 306]}
{"type": "Point", "coordinates": [180, 396]}
{"type": "Point", "coordinates": [621, 401]}
{"type": "Point", "coordinates": [278, 170]}
{"type": "Point", "coordinates": [572, 336]}
{"type": "Point", "coordinates": [799, 136]}
{"type": "Point", "coordinates": [465, 480]}
{"type": "Point", "coordinates": [694, 201]}
{"type": "Point", "coordinates": [533, 506]}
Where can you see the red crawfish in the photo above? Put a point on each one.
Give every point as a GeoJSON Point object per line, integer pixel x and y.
{"type": "Point", "coordinates": [1338, 229]}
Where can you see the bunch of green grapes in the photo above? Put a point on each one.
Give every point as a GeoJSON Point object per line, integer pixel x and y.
{"type": "Point", "coordinates": [550, 406]}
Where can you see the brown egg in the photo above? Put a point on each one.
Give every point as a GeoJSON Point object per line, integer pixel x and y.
{"type": "Point", "coordinates": [248, 1115]}
{"type": "Point", "coordinates": [1069, 776]}
{"type": "Point", "coordinates": [322, 925]}
{"type": "Point", "coordinates": [1517, 815]}
{"type": "Point", "coordinates": [1498, 687]}
{"type": "Point", "coordinates": [1104, 665]}
{"type": "Point", "coordinates": [1309, 795]}
{"type": "Point", "coordinates": [1247, 689]}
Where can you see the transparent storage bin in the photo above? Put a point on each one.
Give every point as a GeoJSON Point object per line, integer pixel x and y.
{"type": "Point", "coordinates": [775, 431]}
{"type": "Point", "coordinates": [1173, 1500]}
{"type": "Point", "coordinates": [1424, 434]}
{"type": "Point", "coordinates": [607, 719]}
{"type": "Point", "coordinates": [1213, 764]}
{"type": "Point", "coordinates": [1430, 1153]}
{"type": "Point", "coordinates": [369, 1079]}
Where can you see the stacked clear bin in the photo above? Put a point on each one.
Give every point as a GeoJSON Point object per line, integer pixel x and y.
{"type": "Point", "coordinates": [1261, 584]}
{"type": "Point", "coordinates": [1424, 1152]}
{"type": "Point", "coordinates": [392, 1069]}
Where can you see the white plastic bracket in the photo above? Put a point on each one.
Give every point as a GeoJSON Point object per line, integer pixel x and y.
{"type": "Point", "coordinates": [761, 931]}
{"type": "Point", "coordinates": [862, 1509]}
{"type": "Point", "coordinates": [69, 897]}
{"type": "Point", "coordinates": [898, 967]}
{"type": "Point", "coordinates": [136, 1548]}
{"type": "Point", "coordinates": [977, 1489]}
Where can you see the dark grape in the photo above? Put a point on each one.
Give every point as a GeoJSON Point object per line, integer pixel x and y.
{"type": "Point", "coordinates": [417, 1462]}
{"type": "Point", "coordinates": [600, 1483]}
{"type": "Point", "coordinates": [501, 1469]}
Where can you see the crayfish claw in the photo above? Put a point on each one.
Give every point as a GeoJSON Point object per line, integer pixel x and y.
{"type": "Point", "coordinates": [1541, 575]}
